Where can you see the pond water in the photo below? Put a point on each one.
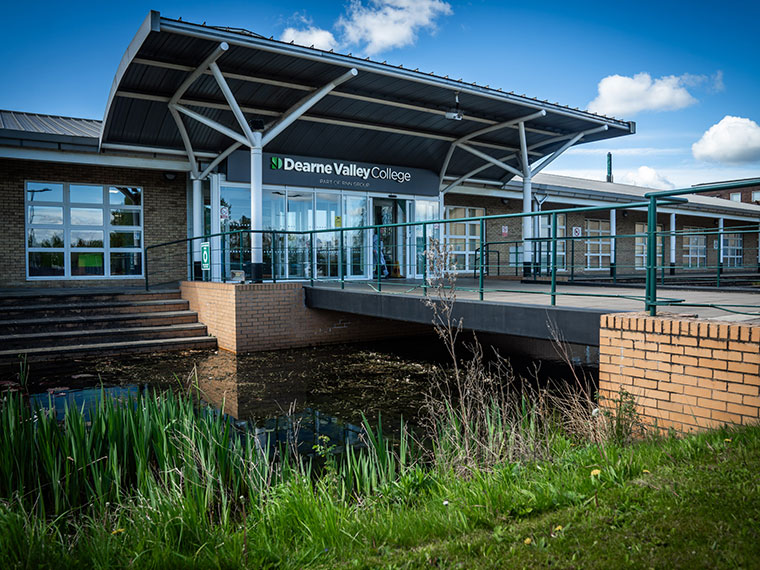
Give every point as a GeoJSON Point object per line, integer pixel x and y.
{"type": "Point", "coordinates": [324, 388]}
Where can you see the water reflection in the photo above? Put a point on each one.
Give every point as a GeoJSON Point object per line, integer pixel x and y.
{"type": "Point", "coordinates": [299, 430]}
{"type": "Point", "coordinates": [84, 399]}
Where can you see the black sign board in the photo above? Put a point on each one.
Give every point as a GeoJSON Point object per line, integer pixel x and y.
{"type": "Point", "coordinates": [290, 170]}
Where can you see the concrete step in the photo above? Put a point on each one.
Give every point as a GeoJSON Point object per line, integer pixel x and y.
{"type": "Point", "coordinates": [57, 338]}
{"type": "Point", "coordinates": [32, 310]}
{"type": "Point", "coordinates": [11, 297]}
{"type": "Point", "coordinates": [89, 322]}
{"type": "Point", "coordinates": [10, 358]}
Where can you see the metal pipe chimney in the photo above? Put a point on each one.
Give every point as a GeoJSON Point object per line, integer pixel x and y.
{"type": "Point", "coordinates": [609, 167]}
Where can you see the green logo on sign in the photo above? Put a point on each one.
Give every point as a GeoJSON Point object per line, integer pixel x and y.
{"type": "Point", "coordinates": [275, 163]}
{"type": "Point", "coordinates": [205, 256]}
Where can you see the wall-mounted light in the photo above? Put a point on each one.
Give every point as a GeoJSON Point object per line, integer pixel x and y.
{"type": "Point", "coordinates": [170, 176]}
{"type": "Point", "coordinates": [455, 114]}
{"type": "Point", "coordinates": [505, 201]}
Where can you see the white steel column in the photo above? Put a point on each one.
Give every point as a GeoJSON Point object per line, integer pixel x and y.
{"type": "Point", "coordinates": [257, 219]}
{"type": "Point", "coordinates": [216, 228]}
{"type": "Point", "coordinates": [720, 240]}
{"type": "Point", "coordinates": [527, 222]}
{"type": "Point", "coordinates": [613, 239]}
{"type": "Point", "coordinates": [672, 242]}
{"type": "Point", "coordinates": [197, 218]}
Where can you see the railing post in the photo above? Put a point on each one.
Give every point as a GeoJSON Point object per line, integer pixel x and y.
{"type": "Point", "coordinates": [274, 256]}
{"type": "Point", "coordinates": [572, 260]}
{"type": "Point", "coordinates": [554, 259]}
{"type": "Point", "coordinates": [145, 267]}
{"type": "Point", "coordinates": [312, 265]}
{"type": "Point", "coordinates": [377, 249]}
{"type": "Point", "coordinates": [424, 259]}
{"type": "Point", "coordinates": [482, 234]}
{"type": "Point", "coordinates": [664, 259]}
{"type": "Point", "coordinates": [341, 270]}
{"type": "Point", "coordinates": [651, 280]}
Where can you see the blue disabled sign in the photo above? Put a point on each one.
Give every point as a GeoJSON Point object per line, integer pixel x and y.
{"type": "Point", "coordinates": [205, 256]}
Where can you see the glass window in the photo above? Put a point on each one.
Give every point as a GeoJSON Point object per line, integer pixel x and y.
{"type": "Point", "coordinates": [756, 195]}
{"type": "Point", "coordinates": [598, 248]}
{"type": "Point", "coordinates": [86, 238]}
{"type": "Point", "coordinates": [87, 217]}
{"type": "Point", "coordinates": [125, 218]}
{"type": "Point", "coordinates": [694, 247]}
{"type": "Point", "coordinates": [733, 254]}
{"type": "Point", "coordinates": [466, 251]}
{"type": "Point", "coordinates": [46, 264]}
{"type": "Point", "coordinates": [122, 195]}
{"type": "Point", "coordinates": [44, 192]}
{"type": "Point", "coordinates": [89, 263]}
{"type": "Point", "coordinates": [736, 196]}
{"type": "Point", "coordinates": [45, 215]}
{"type": "Point", "coordinates": [640, 245]}
{"type": "Point", "coordinates": [37, 237]}
{"type": "Point", "coordinates": [125, 239]}
{"type": "Point", "coordinates": [126, 263]}
{"type": "Point", "coordinates": [543, 246]}
{"type": "Point", "coordinates": [81, 194]}
{"type": "Point", "coordinates": [74, 237]}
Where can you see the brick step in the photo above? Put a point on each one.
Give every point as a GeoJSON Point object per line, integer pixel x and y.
{"type": "Point", "coordinates": [58, 338]}
{"type": "Point", "coordinates": [85, 322]}
{"type": "Point", "coordinates": [42, 296]}
{"type": "Point", "coordinates": [10, 358]}
{"type": "Point", "coordinates": [33, 311]}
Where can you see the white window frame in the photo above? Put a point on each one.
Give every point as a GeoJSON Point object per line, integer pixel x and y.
{"type": "Point", "coordinates": [67, 227]}
{"type": "Point", "coordinates": [756, 195]}
{"type": "Point", "coordinates": [470, 254]}
{"type": "Point", "coordinates": [595, 235]}
{"type": "Point", "coordinates": [545, 231]}
{"type": "Point", "coordinates": [640, 245]}
{"type": "Point", "coordinates": [733, 250]}
{"type": "Point", "coordinates": [735, 196]}
{"type": "Point", "coordinates": [694, 245]}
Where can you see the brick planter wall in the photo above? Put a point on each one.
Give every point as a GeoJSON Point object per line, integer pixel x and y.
{"type": "Point", "coordinates": [271, 316]}
{"type": "Point", "coordinates": [686, 374]}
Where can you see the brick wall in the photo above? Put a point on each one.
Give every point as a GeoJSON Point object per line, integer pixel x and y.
{"type": "Point", "coordinates": [270, 316]}
{"type": "Point", "coordinates": [686, 374]}
{"type": "Point", "coordinates": [164, 212]}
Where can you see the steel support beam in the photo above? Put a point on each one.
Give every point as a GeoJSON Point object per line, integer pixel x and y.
{"type": "Point", "coordinates": [210, 123]}
{"type": "Point", "coordinates": [488, 158]}
{"type": "Point", "coordinates": [297, 110]}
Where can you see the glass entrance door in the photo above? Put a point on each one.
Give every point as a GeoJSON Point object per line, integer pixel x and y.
{"type": "Point", "coordinates": [392, 242]}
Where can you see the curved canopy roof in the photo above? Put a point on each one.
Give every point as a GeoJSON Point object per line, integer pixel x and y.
{"type": "Point", "coordinates": [385, 114]}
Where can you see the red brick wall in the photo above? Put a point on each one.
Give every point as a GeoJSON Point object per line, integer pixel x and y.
{"type": "Point", "coordinates": [686, 374]}
{"type": "Point", "coordinates": [164, 211]}
{"type": "Point", "coordinates": [270, 316]}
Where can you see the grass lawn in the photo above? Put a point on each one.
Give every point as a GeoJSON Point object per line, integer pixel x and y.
{"type": "Point", "coordinates": [159, 484]}
{"type": "Point", "coordinates": [697, 507]}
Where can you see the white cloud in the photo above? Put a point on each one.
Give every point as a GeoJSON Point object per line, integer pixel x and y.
{"type": "Point", "coordinates": [374, 27]}
{"type": "Point", "coordinates": [387, 24]}
{"type": "Point", "coordinates": [734, 140]}
{"type": "Point", "coordinates": [631, 151]}
{"type": "Point", "coordinates": [311, 36]}
{"type": "Point", "coordinates": [647, 177]}
{"type": "Point", "coordinates": [620, 95]}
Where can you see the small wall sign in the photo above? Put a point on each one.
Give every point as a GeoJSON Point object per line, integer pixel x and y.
{"type": "Point", "coordinates": [205, 256]}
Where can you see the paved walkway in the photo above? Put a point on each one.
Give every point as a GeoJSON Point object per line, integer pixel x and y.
{"type": "Point", "coordinates": [704, 303]}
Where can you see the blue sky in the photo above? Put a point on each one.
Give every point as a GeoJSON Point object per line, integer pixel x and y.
{"type": "Point", "coordinates": [687, 73]}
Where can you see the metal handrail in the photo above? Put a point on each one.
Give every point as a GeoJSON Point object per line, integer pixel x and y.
{"type": "Point", "coordinates": [654, 239]}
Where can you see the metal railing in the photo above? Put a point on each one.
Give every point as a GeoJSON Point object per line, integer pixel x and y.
{"type": "Point", "coordinates": [372, 253]}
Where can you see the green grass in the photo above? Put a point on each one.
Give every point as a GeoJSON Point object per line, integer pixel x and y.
{"type": "Point", "coordinates": [158, 483]}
